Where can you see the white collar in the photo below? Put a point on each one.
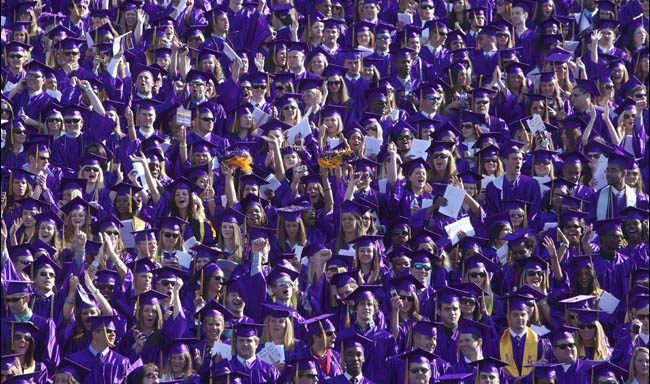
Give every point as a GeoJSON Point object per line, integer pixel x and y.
{"type": "Point", "coordinates": [566, 367]}
{"type": "Point", "coordinates": [37, 93]}
{"type": "Point", "coordinates": [246, 363]}
{"type": "Point", "coordinates": [352, 78]}
{"type": "Point", "coordinates": [349, 377]}
{"type": "Point", "coordinates": [95, 352]}
{"type": "Point", "coordinates": [146, 134]}
{"type": "Point", "coordinates": [514, 334]}
{"type": "Point", "coordinates": [644, 337]}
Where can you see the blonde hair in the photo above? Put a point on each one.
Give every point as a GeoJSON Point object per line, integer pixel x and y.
{"type": "Point", "coordinates": [374, 270]}
{"type": "Point", "coordinates": [632, 369]}
{"type": "Point", "coordinates": [289, 341]}
{"type": "Point", "coordinates": [488, 299]}
{"type": "Point", "coordinates": [68, 229]}
{"type": "Point", "coordinates": [341, 238]}
{"type": "Point", "coordinates": [600, 342]}
{"type": "Point", "coordinates": [237, 253]}
{"type": "Point", "coordinates": [187, 368]}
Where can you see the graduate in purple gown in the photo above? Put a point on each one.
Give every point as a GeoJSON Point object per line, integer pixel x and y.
{"type": "Point", "coordinates": [245, 360]}
{"type": "Point", "coordinates": [18, 295]}
{"type": "Point", "coordinates": [512, 185]}
{"type": "Point", "coordinates": [355, 350]}
{"type": "Point", "coordinates": [106, 366]}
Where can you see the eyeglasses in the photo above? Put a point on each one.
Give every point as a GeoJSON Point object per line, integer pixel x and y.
{"type": "Point", "coordinates": [576, 94]}
{"type": "Point", "coordinates": [491, 161]}
{"type": "Point", "coordinates": [333, 269]}
{"type": "Point", "coordinates": [14, 56]}
{"type": "Point", "coordinates": [152, 375]}
{"type": "Point", "coordinates": [54, 120]}
{"type": "Point", "coordinates": [466, 301]}
{"type": "Point", "coordinates": [639, 95]}
{"type": "Point", "coordinates": [482, 102]}
{"type": "Point", "coordinates": [382, 37]}
{"type": "Point", "coordinates": [34, 75]}
{"type": "Point", "coordinates": [330, 333]}
{"type": "Point", "coordinates": [336, 82]}
{"type": "Point", "coordinates": [565, 346]}
{"type": "Point", "coordinates": [207, 119]}
{"type": "Point", "coordinates": [168, 283]}
{"type": "Point", "coordinates": [641, 317]}
{"type": "Point", "coordinates": [280, 87]}
{"type": "Point", "coordinates": [18, 337]}
{"type": "Point", "coordinates": [593, 155]}
{"type": "Point", "coordinates": [47, 274]}
{"type": "Point", "coordinates": [405, 137]}
{"type": "Point", "coordinates": [197, 84]}
{"type": "Point", "coordinates": [534, 273]}
{"type": "Point", "coordinates": [91, 169]}
{"type": "Point", "coordinates": [422, 267]}
{"type": "Point", "coordinates": [219, 279]}
{"type": "Point", "coordinates": [467, 126]}
{"type": "Point", "coordinates": [71, 53]}
{"type": "Point", "coordinates": [372, 128]}
{"type": "Point", "coordinates": [587, 326]}
{"type": "Point", "coordinates": [171, 235]}
{"type": "Point", "coordinates": [608, 86]}
{"type": "Point", "coordinates": [415, 371]}
{"type": "Point", "coordinates": [258, 86]}
{"type": "Point", "coordinates": [72, 121]}
{"type": "Point", "coordinates": [516, 214]}
{"type": "Point", "coordinates": [440, 155]}
{"type": "Point", "coordinates": [477, 274]}
{"type": "Point", "coordinates": [630, 115]}
{"type": "Point", "coordinates": [5, 110]}
{"type": "Point", "coordinates": [15, 299]}
{"type": "Point", "coordinates": [105, 287]}
{"type": "Point", "coordinates": [20, 131]}
{"type": "Point", "coordinates": [290, 107]}
{"type": "Point", "coordinates": [407, 298]}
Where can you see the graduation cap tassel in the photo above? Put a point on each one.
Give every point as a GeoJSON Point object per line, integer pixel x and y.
{"type": "Point", "coordinates": [12, 337]}
{"type": "Point", "coordinates": [347, 317]}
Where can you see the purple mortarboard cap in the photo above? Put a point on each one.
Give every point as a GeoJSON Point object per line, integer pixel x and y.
{"type": "Point", "coordinates": [579, 301]}
{"type": "Point", "coordinates": [414, 164]}
{"type": "Point", "coordinates": [18, 286]}
{"type": "Point", "coordinates": [280, 272]}
{"type": "Point", "coordinates": [621, 158]}
{"type": "Point", "coordinates": [167, 272]}
{"type": "Point", "coordinates": [40, 246]}
{"type": "Point", "coordinates": [517, 68]}
{"type": "Point", "coordinates": [441, 147]}
{"type": "Point", "coordinates": [334, 70]}
{"type": "Point", "coordinates": [150, 297]}
{"type": "Point", "coordinates": [574, 157]}
{"type": "Point", "coordinates": [351, 339]}
{"type": "Point", "coordinates": [25, 378]}
{"type": "Point", "coordinates": [143, 265]}
{"type": "Point", "coordinates": [68, 183]}
{"type": "Point", "coordinates": [353, 207]}
{"type": "Point", "coordinates": [478, 261]}
{"type": "Point", "coordinates": [407, 283]}
{"type": "Point", "coordinates": [402, 53]}
{"type": "Point", "coordinates": [517, 237]}
{"type": "Point", "coordinates": [510, 148]}
{"type": "Point", "coordinates": [213, 308]}
{"type": "Point", "coordinates": [70, 43]}
{"type": "Point", "coordinates": [45, 262]}
{"type": "Point", "coordinates": [274, 124]}
{"type": "Point", "coordinates": [31, 204]}
{"type": "Point", "coordinates": [613, 224]}
{"type": "Point", "coordinates": [366, 240]}
{"type": "Point", "coordinates": [523, 4]}
{"type": "Point", "coordinates": [93, 247]}
{"type": "Point", "coordinates": [608, 24]}
{"type": "Point", "coordinates": [422, 256]}
{"type": "Point", "coordinates": [255, 233]}
{"type": "Point", "coordinates": [125, 189]}
{"type": "Point", "coordinates": [278, 311]}
{"type": "Point", "coordinates": [449, 295]}
{"type": "Point", "coordinates": [364, 292]}
{"type": "Point", "coordinates": [107, 276]}
{"type": "Point", "coordinates": [15, 46]}
{"type": "Point", "coordinates": [172, 223]}
{"type": "Point", "coordinates": [489, 30]}
{"type": "Point", "coordinates": [607, 370]}
{"type": "Point", "coordinates": [455, 378]}
{"type": "Point", "coordinates": [627, 105]}
{"type": "Point", "coordinates": [74, 369]}
{"type": "Point", "coordinates": [418, 355]}
{"type": "Point", "coordinates": [180, 345]}
{"type": "Point", "coordinates": [634, 213]}
{"type": "Point", "coordinates": [588, 86]}
{"type": "Point", "coordinates": [456, 35]}
{"type": "Point", "coordinates": [544, 371]}
{"type": "Point", "coordinates": [339, 261]}
{"type": "Point", "coordinates": [473, 328]}
{"type": "Point", "coordinates": [251, 200]}
{"type": "Point", "coordinates": [316, 325]}
{"type": "Point", "coordinates": [9, 361]}
{"type": "Point", "coordinates": [476, 11]}
{"type": "Point", "coordinates": [340, 280]}
{"type": "Point", "coordinates": [281, 8]}
{"type": "Point", "coordinates": [145, 234]}
{"type": "Point", "coordinates": [108, 322]}
{"type": "Point", "coordinates": [425, 327]}
{"type": "Point", "coordinates": [489, 365]}
{"type": "Point", "coordinates": [640, 301]}
{"type": "Point", "coordinates": [531, 293]}
{"type": "Point", "coordinates": [291, 213]}
{"type": "Point", "coordinates": [562, 333]}
{"type": "Point", "coordinates": [330, 110]}
{"type": "Point", "coordinates": [569, 215]}
{"type": "Point", "coordinates": [77, 204]}
{"type": "Point", "coordinates": [587, 316]}
{"type": "Point", "coordinates": [247, 329]}
{"type": "Point", "coordinates": [232, 216]}
{"type": "Point", "coordinates": [307, 84]}
{"type": "Point", "coordinates": [516, 301]}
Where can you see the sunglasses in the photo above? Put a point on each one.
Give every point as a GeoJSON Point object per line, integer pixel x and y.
{"type": "Point", "coordinates": [20, 131]}
{"type": "Point", "coordinates": [219, 279]}
{"type": "Point", "coordinates": [433, 98]}
{"type": "Point", "coordinates": [207, 119]}
{"type": "Point", "coordinates": [482, 102]}
{"type": "Point", "coordinates": [565, 346]}
{"type": "Point", "coordinates": [426, 6]}
{"type": "Point", "coordinates": [440, 156]}
{"type": "Point", "coordinates": [47, 274]}
{"type": "Point", "coordinates": [168, 283]}
{"type": "Point", "coordinates": [534, 273]}
{"type": "Point", "coordinates": [422, 267]}
{"type": "Point", "coordinates": [112, 233]}
{"type": "Point", "coordinates": [15, 56]}
{"type": "Point", "coordinates": [258, 86]}
{"type": "Point", "coordinates": [333, 269]}
{"type": "Point", "coordinates": [631, 115]}
{"type": "Point", "coordinates": [22, 337]}
{"type": "Point", "coordinates": [33, 75]}
{"type": "Point", "coordinates": [89, 169]}
{"type": "Point", "coordinates": [152, 375]}
{"type": "Point", "coordinates": [491, 161]}
{"type": "Point", "coordinates": [71, 121]}
{"type": "Point", "coordinates": [477, 274]}
{"type": "Point", "coordinates": [468, 301]}
{"type": "Point", "coordinates": [290, 108]}
{"type": "Point", "coordinates": [171, 235]}
{"type": "Point", "coordinates": [71, 53]}
{"type": "Point", "coordinates": [330, 333]}
{"type": "Point", "coordinates": [336, 82]}
{"type": "Point", "coordinates": [407, 298]}
{"type": "Point", "coordinates": [5, 110]}
{"type": "Point", "coordinates": [593, 155]}
{"type": "Point", "coordinates": [372, 128]}
{"type": "Point", "coordinates": [54, 120]}
{"type": "Point", "coordinates": [382, 37]}
{"type": "Point", "coordinates": [422, 370]}
{"type": "Point", "coordinates": [280, 87]}
{"type": "Point", "coordinates": [308, 375]}
{"type": "Point", "coordinates": [639, 95]}
{"type": "Point", "coordinates": [587, 326]}
{"type": "Point", "coordinates": [405, 137]}
{"type": "Point", "coordinates": [105, 287]}
{"type": "Point", "coordinates": [15, 299]}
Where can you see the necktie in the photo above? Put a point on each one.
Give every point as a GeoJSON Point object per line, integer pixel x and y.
{"type": "Point", "coordinates": [354, 380]}
{"type": "Point", "coordinates": [518, 338]}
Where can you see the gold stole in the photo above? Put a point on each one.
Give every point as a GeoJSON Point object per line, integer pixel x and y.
{"type": "Point", "coordinates": [530, 352]}
{"type": "Point", "coordinates": [582, 354]}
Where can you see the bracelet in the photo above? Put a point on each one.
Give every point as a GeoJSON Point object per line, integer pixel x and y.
{"type": "Point", "coordinates": [327, 189]}
{"type": "Point", "coordinates": [70, 301]}
{"type": "Point", "coordinates": [565, 245]}
{"type": "Point", "coordinates": [183, 145]}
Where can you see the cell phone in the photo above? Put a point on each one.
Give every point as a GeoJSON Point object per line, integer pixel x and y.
{"type": "Point", "coordinates": [636, 328]}
{"type": "Point", "coordinates": [301, 168]}
{"type": "Point", "coordinates": [393, 293]}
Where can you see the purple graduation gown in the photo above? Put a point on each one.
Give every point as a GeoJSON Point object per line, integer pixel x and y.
{"type": "Point", "coordinates": [522, 188]}
{"type": "Point", "coordinates": [259, 371]}
{"type": "Point", "coordinates": [112, 368]}
{"type": "Point", "coordinates": [341, 379]}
